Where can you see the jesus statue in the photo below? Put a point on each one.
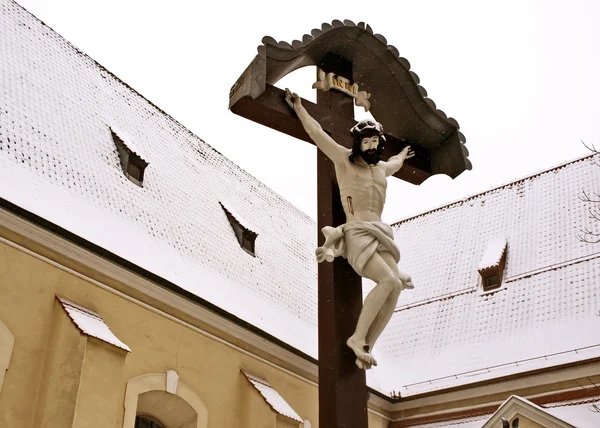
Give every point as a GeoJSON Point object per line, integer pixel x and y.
{"type": "Point", "coordinates": [364, 240]}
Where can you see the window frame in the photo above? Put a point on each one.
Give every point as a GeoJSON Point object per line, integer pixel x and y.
{"type": "Point", "coordinates": [496, 271]}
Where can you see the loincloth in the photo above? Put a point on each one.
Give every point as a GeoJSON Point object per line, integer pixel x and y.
{"type": "Point", "coordinates": [357, 241]}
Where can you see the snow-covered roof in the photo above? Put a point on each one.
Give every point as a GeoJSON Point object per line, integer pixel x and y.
{"type": "Point", "coordinates": [90, 323]}
{"type": "Point", "coordinates": [273, 398]}
{"type": "Point", "coordinates": [58, 161]}
{"type": "Point", "coordinates": [445, 333]}
{"type": "Point", "coordinates": [580, 416]}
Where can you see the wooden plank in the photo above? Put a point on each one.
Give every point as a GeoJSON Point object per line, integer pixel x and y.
{"type": "Point", "coordinates": [342, 385]}
{"type": "Point", "coordinates": [271, 110]}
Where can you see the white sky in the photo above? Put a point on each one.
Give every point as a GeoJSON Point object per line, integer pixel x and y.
{"type": "Point", "coordinates": [521, 77]}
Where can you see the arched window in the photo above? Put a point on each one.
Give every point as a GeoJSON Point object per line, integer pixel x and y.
{"type": "Point", "coordinates": [162, 400]}
{"type": "Point", "coordinates": [144, 421]}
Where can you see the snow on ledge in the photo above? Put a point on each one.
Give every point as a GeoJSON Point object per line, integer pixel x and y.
{"type": "Point", "coordinates": [272, 397]}
{"type": "Point", "coordinates": [492, 255]}
{"type": "Point", "coordinates": [91, 324]}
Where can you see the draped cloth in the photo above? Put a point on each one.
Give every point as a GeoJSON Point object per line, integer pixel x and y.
{"type": "Point", "coordinates": [357, 241]}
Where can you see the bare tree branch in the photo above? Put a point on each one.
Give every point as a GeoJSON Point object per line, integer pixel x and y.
{"type": "Point", "coordinates": [591, 148]}
{"type": "Point", "coordinates": [586, 198]}
{"type": "Point", "coordinates": [589, 232]}
{"type": "Point", "coordinates": [587, 239]}
{"type": "Point", "coordinates": [587, 235]}
{"type": "Point", "coordinates": [594, 215]}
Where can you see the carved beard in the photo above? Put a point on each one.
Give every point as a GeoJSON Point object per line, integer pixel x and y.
{"type": "Point", "coordinates": [371, 158]}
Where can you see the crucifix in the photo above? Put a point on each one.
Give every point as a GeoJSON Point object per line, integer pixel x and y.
{"type": "Point", "coordinates": [345, 54]}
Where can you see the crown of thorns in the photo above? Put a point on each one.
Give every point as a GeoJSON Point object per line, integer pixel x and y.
{"type": "Point", "coordinates": [367, 127]}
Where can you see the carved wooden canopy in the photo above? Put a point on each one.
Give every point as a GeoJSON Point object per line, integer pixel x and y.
{"type": "Point", "coordinates": [397, 100]}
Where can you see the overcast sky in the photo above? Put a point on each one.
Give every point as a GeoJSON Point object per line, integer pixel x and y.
{"type": "Point", "coordinates": [521, 77]}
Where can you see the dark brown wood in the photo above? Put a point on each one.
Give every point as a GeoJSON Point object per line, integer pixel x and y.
{"type": "Point", "coordinates": [342, 386]}
{"type": "Point", "coordinates": [271, 110]}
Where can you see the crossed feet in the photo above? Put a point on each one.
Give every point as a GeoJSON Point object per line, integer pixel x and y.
{"type": "Point", "coordinates": [364, 358]}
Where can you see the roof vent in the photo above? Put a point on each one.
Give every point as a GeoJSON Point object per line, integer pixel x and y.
{"type": "Point", "coordinates": [245, 236]}
{"type": "Point", "coordinates": [132, 162]}
{"type": "Point", "coordinates": [491, 265]}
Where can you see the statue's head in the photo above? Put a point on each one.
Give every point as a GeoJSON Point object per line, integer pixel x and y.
{"type": "Point", "coordinates": [369, 141]}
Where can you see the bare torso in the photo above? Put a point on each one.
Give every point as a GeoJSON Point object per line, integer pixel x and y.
{"type": "Point", "coordinates": [362, 189]}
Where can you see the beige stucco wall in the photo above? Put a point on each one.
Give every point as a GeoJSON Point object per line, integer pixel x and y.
{"type": "Point", "coordinates": [101, 382]}
{"type": "Point", "coordinates": [62, 364]}
{"type": "Point", "coordinates": [28, 287]}
{"type": "Point", "coordinates": [60, 377]}
{"type": "Point", "coordinates": [376, 421]}
{"type": "Point", "coordinates": [27, 312]}
{"type": "Point", "coordinates": [285, 422]}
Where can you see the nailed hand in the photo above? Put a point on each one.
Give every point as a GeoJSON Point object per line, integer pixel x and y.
{"type": "Point", "coordinates": [292, 99]}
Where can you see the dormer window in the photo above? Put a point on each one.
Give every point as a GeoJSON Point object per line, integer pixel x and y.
{"type": "Point", "coordinates": [132, 163]}
{"type": "Point", "coordinates": [490, 281]}
{"type": "Point", "coordinates": [245, 236]}
{"type": "Point", "coordinates": [491, 265]}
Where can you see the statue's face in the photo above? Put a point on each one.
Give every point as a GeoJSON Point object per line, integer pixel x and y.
{"type": "Point", "coordinates": [369, 144]}
{"type": "Point", "coordinates": [368, 149]}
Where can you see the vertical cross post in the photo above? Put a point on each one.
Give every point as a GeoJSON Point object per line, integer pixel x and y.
{"type": "Point", "coordinates": [342, 386]}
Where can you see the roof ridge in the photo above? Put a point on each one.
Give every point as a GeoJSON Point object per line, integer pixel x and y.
{"type": "Point", "coordinates": [502, 186]}
{"type": "Point", "coordinates": [161, 111]}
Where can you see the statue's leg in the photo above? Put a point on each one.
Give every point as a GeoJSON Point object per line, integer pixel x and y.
{"type": "Point", "coordinates": [383, 319]}
{"type": "Point", "coordinates": [359, 363]}
{"type": "Point", "coordinates": [377, 270]}
{"type": "Point", "coordinates": [389, 306]}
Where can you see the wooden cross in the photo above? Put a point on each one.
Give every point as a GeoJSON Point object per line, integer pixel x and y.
{"type": "Point", "coordinates": [343, 394]}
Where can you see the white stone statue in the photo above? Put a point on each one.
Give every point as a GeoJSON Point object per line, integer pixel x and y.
{"type": "Point", "coordinates": [364, 239]}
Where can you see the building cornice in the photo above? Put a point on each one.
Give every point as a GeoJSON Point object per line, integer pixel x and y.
{"type": "Point", "coordinates": [52, 244]}
{"type": "Point", "coordinates": [66, 251]}
{"type": "Point", "coordinates": [60, 248]}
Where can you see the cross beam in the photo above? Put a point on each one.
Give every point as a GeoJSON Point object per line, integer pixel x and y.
{"type": "Point", "coordinates": [343, 393]}
{"type": "Point", "coordinates": [271, 110]}
{"type": "Point", "coordinates": [342, 386]}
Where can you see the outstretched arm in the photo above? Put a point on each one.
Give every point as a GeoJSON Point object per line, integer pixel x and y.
{"type": "Point", "coordinates": [394, 163]}
{"type": "Point", "coordinates": [324, 142]}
